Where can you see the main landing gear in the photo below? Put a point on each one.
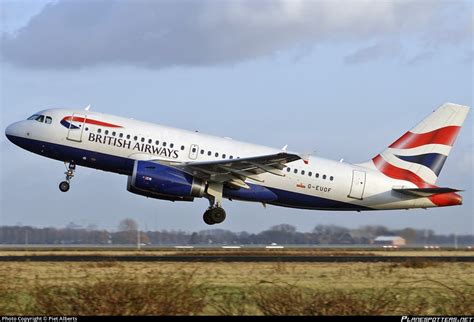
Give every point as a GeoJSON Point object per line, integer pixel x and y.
{"type": "Point", "coordinates": [64, 185]}
{"type": "Point", "coordinates": [215, 214]}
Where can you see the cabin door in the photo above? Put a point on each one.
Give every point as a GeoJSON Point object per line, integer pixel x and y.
{"type": "Point", "coordinates": [76, 127]}
{"type": "Point", "coordinates": [193, 151]}
{"type": "Point", "coordinates": [358, 185]}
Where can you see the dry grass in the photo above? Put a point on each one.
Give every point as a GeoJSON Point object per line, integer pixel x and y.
{"type": "Point", "coordinates": [121, 288]}
{"type": "Point", "coordinates": [234, 252]}
{"type": "Point", "coordinates": [291, 300]}
{"type": "Point", "coordinates": [174, 294]}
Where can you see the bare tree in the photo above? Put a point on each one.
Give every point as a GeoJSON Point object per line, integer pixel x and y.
{"type": "Point", "coordinates": [128, 224]}
{"type": "Point", "coordinates": [127, 234]}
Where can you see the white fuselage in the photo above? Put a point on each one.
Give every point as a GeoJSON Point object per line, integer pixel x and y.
{"type": "Point", "coordinates": [113, 143]}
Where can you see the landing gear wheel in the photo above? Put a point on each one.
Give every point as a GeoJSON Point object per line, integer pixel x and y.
{"type": "Point", "coordinates": [70, 168]}
{"type": "Point", "coordinates": [217, 215]}
{"type": "Point", "coordinates": [207, 218]}
{"type": "Point", "coordinates": [214, 216]}
{"type": "Point", "coordinates": [64, 186]}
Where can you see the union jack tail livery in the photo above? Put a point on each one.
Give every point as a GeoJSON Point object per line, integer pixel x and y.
{"type": "Point", "coordinates": [419, 155]}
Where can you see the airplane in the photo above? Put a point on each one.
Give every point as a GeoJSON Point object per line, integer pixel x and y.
{"type": "Point", "coordinates": [178, 165]}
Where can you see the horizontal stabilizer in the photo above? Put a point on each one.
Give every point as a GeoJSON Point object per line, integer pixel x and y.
{"type": "Point", "coordinates": [424, 192]}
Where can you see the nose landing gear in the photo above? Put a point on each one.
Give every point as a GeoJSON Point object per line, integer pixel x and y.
{"type": "Point", "coordinates": [65, 185]}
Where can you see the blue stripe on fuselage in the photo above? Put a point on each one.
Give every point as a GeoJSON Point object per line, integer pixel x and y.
{"type": "Point", "coordinates": [122, 165]}
{"type": "Point", "coordinates": [278, 197]}
{"type": "Point", "coordinates": [81, 157]}
{"type": "Point", "coordinates": [303, 201]}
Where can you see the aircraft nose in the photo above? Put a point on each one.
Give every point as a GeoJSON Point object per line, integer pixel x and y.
{"type": "Point", "coordinates": [12, 131]}
{"type": "Point", "coordinates": [9, 131]}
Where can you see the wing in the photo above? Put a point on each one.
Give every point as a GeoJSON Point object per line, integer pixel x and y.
{"type": "Point", "coordinates": [234, 172]}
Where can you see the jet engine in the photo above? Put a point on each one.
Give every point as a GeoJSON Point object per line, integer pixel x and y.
{"type": "Point", "coordinates": [158, 181]}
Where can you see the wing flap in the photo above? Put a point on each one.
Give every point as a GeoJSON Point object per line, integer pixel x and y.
{"type": "Point", "coordinates": [237, 170]}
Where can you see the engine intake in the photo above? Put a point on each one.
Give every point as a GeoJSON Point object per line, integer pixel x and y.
{"type": "Point", "coordinates": [158, 181]}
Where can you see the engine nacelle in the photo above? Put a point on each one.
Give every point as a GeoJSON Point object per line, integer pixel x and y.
{"type": "Point", "coordinates": [158, 181]}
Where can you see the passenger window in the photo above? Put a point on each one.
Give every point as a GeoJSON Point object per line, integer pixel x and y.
{"type": "Point", "coordinates": [310, 174]}
{"type": "Point", "coordinates": [217, 154]}
{"type": "Point", "coordinates": [164, 143]}
{"type": "Point", "coordinates": [113, 133]}
{"type": "Point", "coordinates": [143, 140]}
{"type": "Point", "coordinates": [302, 172]}
{"type": "Point", "coordinates": [231, 157]}
{"type": "Point", "coordinates": [182, 148]}
{"type": "Point", "coordinates": [223, 156]}
{"type": "Point", "coordinates": [209, 153]}
{"type": "Point", "coordinates": [99, 130]}
{"type": "Point", "coordinates": [317, 175]}
{"type": "Point", "coordinates": [295, 171]}
{"type": "Point", "coordinates": [324, 177]}
{"type": "Point", "coordinates": [202, 151]}
{"type": "Point", "coordinates": [194, 150]}
{"type": "Point", "coordinates": [49, 120]}
{"type": "Point", "coordinates": [171, 145]}
{"type": "Point", "coordinates": [135, 138]}
{"type": "Point", "coordinates": [288, 169]}
{"type": "Point", "coordinates": [121, 135]}
{"type": "Point", "coordinates": [106, 132]}
{"type": "Point", "coordinates": [157, 142]}
{"type": "Point", "coordinates": [331, 178]}
{"type": "Point", "coordinates": [149, 141]}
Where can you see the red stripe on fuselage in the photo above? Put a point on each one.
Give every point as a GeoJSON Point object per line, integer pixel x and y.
{"type": "Point", "coordinates": [440, 200]}
{"type": "Point", "coordinates": [91, 121]}
{"type": "Point", "coordinates": [446, 136]}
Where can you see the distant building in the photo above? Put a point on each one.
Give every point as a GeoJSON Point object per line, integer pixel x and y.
{"type": "Point", "coordinates": [390, 240]}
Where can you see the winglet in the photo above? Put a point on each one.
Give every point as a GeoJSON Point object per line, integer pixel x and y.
{"type": "Point", "coordinates": [87, 107]}
{"type": "Point", "coordinates": [285, 147]}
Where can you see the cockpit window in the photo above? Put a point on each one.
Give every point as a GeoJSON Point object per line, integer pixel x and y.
{"type": "Point", "coordinates": [33, 117]}
{"type": "Point", "coordinates": [40, 118]}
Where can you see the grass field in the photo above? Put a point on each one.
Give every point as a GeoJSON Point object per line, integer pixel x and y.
{"type": "Point", "coordinates": [122, 288]}
{"type": "Point", "coordinates": [242, 251]}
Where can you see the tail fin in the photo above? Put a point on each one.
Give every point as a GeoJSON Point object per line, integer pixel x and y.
{"type": "Point", "coordinates": [419, 155]}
